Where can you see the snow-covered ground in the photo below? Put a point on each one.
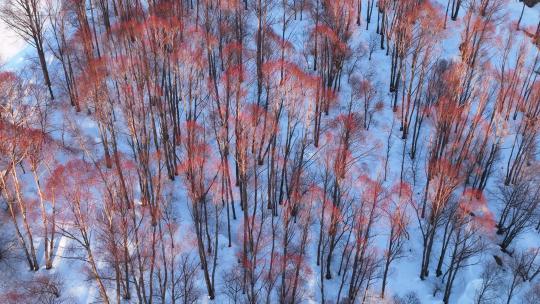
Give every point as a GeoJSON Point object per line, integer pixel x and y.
{"type": "Point", "coordinates": [404, 273]}
{"type": "Point", "coordinates": [11, 44]}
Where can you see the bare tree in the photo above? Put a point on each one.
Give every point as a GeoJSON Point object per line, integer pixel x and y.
{"type": "Point", "coordinates": [28, 18]}
{"type": "Point", "coordinates": [518, 208]}
{"type": "Point", "coordinates": [492, 278]}
{"type": "Point", "coordinates": [398, 222]}
{"type": "Point", "coordinates": [467, 242]}
{"type": "Point", "coordinates": [517, 275]}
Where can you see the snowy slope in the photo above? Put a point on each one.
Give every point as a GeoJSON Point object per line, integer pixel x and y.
{"type": "Point", "coordinates": [404, 273]}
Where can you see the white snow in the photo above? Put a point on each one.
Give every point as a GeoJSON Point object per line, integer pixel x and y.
{"type": "Point", "coordinates": [11, 44]}
{"type": "Point", "coordinates": [404, 273]}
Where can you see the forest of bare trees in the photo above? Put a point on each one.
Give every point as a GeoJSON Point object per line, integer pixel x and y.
{"type": "Point", "coordinates": [270, 151]}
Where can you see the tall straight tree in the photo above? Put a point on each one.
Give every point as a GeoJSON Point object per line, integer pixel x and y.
{"type": "Point", "coordinates": [28, 20]}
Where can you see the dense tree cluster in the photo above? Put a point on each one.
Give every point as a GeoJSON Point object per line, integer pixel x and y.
{"type": "Point", "coordinates": [253, 151]}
